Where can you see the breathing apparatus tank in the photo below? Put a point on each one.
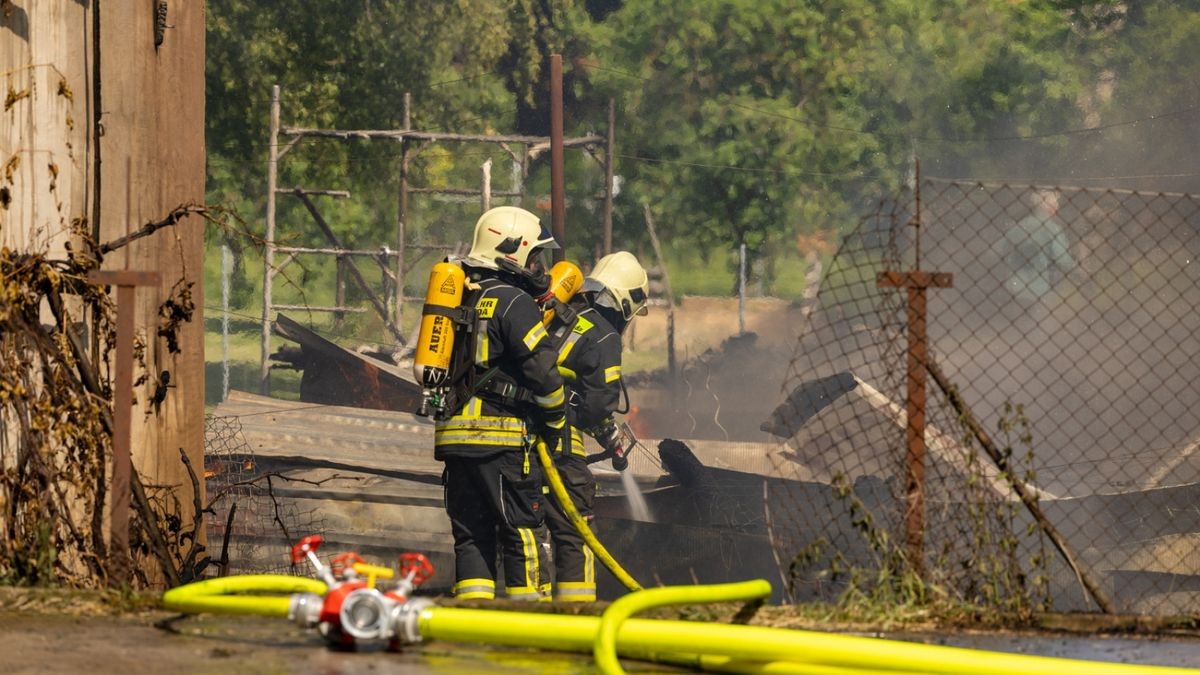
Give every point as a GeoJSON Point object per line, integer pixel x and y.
{"type": "Point", "coordinates": [435, 341]}
{"type": "Point", "coordinates": [565, 280]}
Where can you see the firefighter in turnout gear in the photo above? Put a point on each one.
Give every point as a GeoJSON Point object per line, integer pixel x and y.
{"type": "Point", "coordinates": [588, 335]}
{"type": "Point", "coordinates": [504, 388]}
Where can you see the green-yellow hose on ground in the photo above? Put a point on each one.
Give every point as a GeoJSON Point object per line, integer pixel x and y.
{"type": "Point", "coordinates": [750, 649]}
{"type": "Point", "coordinates": [257, 594]}
{"type": "Point", "coordinates": [605, 646]}
{"type": "Point", "coordinates": [724, 664]}
{"type": "Point", "coordinates": [580, 523]}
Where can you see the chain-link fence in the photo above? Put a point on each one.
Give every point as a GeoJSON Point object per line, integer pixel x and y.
{"type": "Point", "coordinates": [1060, 463]}
{"type": "Point", "coordinates": [250, 528]}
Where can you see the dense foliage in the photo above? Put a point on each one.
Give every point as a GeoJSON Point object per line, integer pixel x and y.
{"type": "Point", "coordinates": [749, 122]}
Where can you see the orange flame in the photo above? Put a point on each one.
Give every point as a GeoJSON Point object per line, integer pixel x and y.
{"type": "Point", "coordinates": [640, 427]}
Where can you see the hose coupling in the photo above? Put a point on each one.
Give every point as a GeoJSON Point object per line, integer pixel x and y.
{"type": "Point", "coordinates": [364, 614]}
{"type": "Point", "coordinates": [305, 609]}
{"type": "Point", "coordinates": [406, 619]}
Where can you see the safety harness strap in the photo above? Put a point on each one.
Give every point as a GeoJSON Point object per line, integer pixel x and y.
{"type": "Point", "coordinates": [463, 315]}
{"type": "Point", "coordinates": [506, 390]}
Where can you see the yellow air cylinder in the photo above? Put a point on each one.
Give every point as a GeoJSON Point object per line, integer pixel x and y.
{"type": "Point", "coordinates": [565, 280]}
{"type": "Point", "coordinates": [431, 362]}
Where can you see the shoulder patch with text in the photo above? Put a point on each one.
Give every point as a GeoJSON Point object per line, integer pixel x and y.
{"type": "Point", "coordinates": [486, 307]}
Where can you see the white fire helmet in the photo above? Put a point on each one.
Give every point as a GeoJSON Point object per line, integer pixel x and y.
{"type": "Point", "coordinates": [620, 283]}
{"type": "Point", "coordinates": [508, 232]}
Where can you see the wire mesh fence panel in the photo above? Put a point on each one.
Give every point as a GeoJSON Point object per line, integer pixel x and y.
{"type": "Point", "coordinates": [1068, 335]}
{"type": "Point", "coordinates": [250, 528]}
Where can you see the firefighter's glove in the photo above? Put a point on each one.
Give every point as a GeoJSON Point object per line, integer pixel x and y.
{"type": "Point", "coordinates": [619, 461]}
{"type": "Point", "coordinates": [607, 435]}
{"type": "Point", "coordinates": [551, 426]}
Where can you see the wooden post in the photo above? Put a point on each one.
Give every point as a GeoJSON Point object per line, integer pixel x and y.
{"type": "Point", "coordinates": [226, 271]}
{"type": "Point", "coordinates": [662, 264]}
{"type": "Point", "coordinates": [485, 185]}
{"type": "Point", "coordinates": [609, 158]}
{"type": "Point", "coordinates": [339, 293]}
{"type": "Point", "coordinates": [741, 289]}
{"type": "Point", "coordinates": [402, 220]}
{"type": "Point", "coordinates": [264, 371]}
{"type": "Point", "coordinates": [558, 196]}
{"type": "Point", "coordinates": [125, 281]}
{"type": "Point", "coordinates": [915, 282]}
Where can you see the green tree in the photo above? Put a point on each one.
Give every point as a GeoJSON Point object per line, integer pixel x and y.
{"type": "Point", "coordinates": [748, 122]}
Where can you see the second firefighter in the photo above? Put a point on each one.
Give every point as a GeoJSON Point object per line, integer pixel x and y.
{"type": "Point", "coordinates": [588, 335]}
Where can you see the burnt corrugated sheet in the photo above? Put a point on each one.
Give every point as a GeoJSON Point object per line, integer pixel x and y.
{"type": "Point", "coordinates": [365, 479]}
{"type": "Point", "coordinates": [335, 375]}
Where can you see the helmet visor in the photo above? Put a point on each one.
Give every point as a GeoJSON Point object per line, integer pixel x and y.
{"type": "Point", "coordinates": [546, 238]}
{"type": "Point", "coordinates": [540, 259]}
{"type": "Point", "coordinates": [638, 296]}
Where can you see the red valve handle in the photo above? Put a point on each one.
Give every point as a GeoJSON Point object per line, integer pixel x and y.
{"type": "Point", "coordinates": [310, 543]}
{"type": "Point", "coordinates": [341, 562]}
{"type": "Point", "coordinates": [417, 565]}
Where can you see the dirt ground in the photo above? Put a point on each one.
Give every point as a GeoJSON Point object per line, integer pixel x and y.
{"type": "Point", "coordinates": [79, 632]}
{"type": "Point", "coordinates": [702, 323]}
{"type": "Point", "coordinates": [152, 641]}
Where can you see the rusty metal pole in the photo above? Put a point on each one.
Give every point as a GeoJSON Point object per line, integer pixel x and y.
{"type": "Point", "coordinates": [916, 282]}
{"type": "Point", "coordinates": [558, 194]}
{"type": "Point", "coordinates": [609, 158]}
{"type": "Point", "coordinates": [125, 281]}
{"type": "Point", "coordinates": [915, 433]}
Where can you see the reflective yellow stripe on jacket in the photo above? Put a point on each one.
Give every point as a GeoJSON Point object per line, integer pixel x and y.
{"type": "Point", "coordinates": [471, 427]}
{"type": "Point", "coordinates": [554, 399]}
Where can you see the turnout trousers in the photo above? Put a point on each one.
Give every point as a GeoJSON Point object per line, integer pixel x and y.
{"type": "Point", "coordinates": [494, 504]}
{"type": "Point", "coordinates": [574, 562]}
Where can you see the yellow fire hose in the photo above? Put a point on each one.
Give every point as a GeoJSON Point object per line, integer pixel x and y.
{"type": "Point", "coordinates": [724, 664]}
{"type": "Point", "coordinates": [243, 594]}
{"type": "Point", "coordinates": [712, 647]}
{"type": "Point", "coordinates": [748, 649]}
{"type": "Point", "coordinates": [580, 523]}
{"type": "Point", "coordinates": [605, 646]}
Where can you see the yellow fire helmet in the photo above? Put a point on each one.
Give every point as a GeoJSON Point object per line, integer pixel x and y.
{"type": "Point", "coordinates": [621, 283]}
{"type": "Point", "coordinates": [508, 232]}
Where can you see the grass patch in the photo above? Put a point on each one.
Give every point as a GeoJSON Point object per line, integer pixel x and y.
{"type": "Point", "coordinates": [75, 601]}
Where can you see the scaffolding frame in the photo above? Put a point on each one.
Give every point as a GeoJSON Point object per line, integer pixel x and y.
{"type": "Point", "coordinates": [520, 148]}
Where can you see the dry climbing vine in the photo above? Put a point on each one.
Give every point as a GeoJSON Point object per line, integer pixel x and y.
{"type": "Point", "coordinates": [56, 419]}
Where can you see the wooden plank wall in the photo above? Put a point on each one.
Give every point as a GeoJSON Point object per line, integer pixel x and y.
{"type": "Point", "coordinates": [43, 141]}
{"type": "Point", "coordinates": [151, 159]}
{"type": "Point", "coordinates": [153, 116]}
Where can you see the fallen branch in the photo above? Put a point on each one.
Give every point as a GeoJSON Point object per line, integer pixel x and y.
{"type": "Point", "coordinates": [196, 548]}
{"type": "Point", "coordinates": [150, 525]}
{"type": "Point", "coordinates": [177, 214]}
{"type": "Point", "coordinates": [223, 564]}
{"type": "Point", "coordinates": [254, 483]}
{"type": "Point", "coordinates": [1027, 495]}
